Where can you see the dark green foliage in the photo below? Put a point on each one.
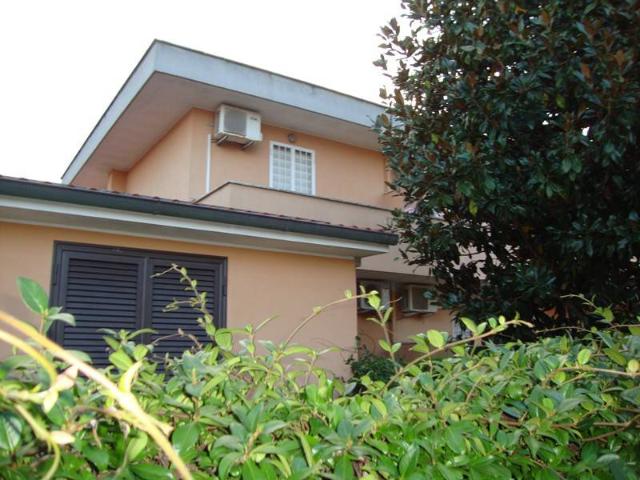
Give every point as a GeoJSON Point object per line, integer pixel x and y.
{"type": "Point", "coordinates": [518, 122]}
{"type": "Point", "coordinates": [377, 367]}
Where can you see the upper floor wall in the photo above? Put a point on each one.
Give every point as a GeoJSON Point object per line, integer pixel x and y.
{"type": "Point", "coordinates": [178, 165]}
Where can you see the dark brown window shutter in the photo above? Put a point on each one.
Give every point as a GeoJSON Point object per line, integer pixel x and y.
{"type": "Point", "coordinates": [101, 291]}
{"type": "Point", "coordinates": [115, 288]}
{"type": "Point", "coordinates": [164, 289]}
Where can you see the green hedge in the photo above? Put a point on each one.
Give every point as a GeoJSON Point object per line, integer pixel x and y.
{"type": "Point", "coordinates": [559, 408]}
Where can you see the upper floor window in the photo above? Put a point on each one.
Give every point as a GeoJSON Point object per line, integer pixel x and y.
{"type": "Point", "coordinates": [292, 168]}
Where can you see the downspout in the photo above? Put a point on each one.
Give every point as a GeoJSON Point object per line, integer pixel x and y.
{"type": "Point", "coordinates": [207, 175]}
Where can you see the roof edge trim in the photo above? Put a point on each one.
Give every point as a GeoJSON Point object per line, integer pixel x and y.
{"type": "Point", "coordinates": [112, 200]}
{"type": "Point", "coordinates": [182, 62]}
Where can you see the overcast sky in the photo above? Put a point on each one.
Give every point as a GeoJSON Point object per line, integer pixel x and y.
{"type": "Point", "coordinates": [63, 61]}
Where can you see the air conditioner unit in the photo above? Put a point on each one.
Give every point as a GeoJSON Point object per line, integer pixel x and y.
{"type": "Point", "coordinates": [383, 289]}
{"type": "Point", "coordinates": [414, 300]}
{"type": "Point", "coordinates": [237, 125]}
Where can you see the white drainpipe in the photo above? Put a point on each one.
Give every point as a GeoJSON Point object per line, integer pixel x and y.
{"type": "Point", "coordinates": [207, 175]}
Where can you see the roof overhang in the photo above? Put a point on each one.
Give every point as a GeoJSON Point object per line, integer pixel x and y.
{"type": "Point", "coordinates": [71, 207]}
{"type": "Point", "coordinates": [171, 80]}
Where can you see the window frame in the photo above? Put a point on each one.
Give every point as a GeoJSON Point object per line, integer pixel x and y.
{"type": "Point", "coordinates": [146, 257]}
{"type": "Point", "coordinates": [293, 166]}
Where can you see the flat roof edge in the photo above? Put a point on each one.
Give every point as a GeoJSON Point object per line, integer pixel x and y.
{"type": "Point", "coordinates": [168, 58]}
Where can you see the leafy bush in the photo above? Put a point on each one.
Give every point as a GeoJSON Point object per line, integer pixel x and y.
{"type": "Point", "coordinates": [375, 367]}
{"type": "Point", "coordinates": [557, 408]}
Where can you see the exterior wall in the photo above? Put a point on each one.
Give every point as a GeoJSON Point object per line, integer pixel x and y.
{"type": "Point", "coordinates": [392, 262]}
{"type": "Point", "coordinates": [164, 171]}
{"type": "Point", "coordinates": [260, 283]}
{"type": "Point", "coordinates": [343, 172]}
{"type": "Point", "coordinates": [249, 197]}
{"type": "Point", "coordinates": [176, 166]}
{"type": "Point", "coordinates": [117, 181]}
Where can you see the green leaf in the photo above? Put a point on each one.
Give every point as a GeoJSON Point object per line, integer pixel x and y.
{"type": "Point", "coordinates": [33, 295]}
{"type": "Point", "coordinates": [559, 377]}
{"type": "Point", "coordinates": [384, 345]}
{"type": "Point", "coordinates": [343, 468]}
{"type": "Point", "coordinates": [224, 338]}
{"type": "Point", "coordinates": [458, 350]}
{"type": "Point", "coordinates": [408, 462]}
{"type": "Point", "coordinates": [470, 324]}
{"type": "Point", "coordinates": [229, 441]}
{"type": "Point", "coordinates": [185, 436]}
{"type": "Point", "coordinates": [540, 369]}
{"type": "Point", "coordinates": [615, 355]}
{"type": "Point", "coordinates": [148, 471]}
{"type": "Point", "coordinates": [136, 446]}
{"type": "Point", "coordinates": [251, 471]}
{"type": "Point", "coordinates": [226, 463]}
{"type": "Point", "coordinates": [306, 448]}
{"type": "Point", "coordinates": [635, 331]}
{"type": "Point", "coordinates": [10, 430]}
{"type": "Point", "coordinates": [473, 208]}
{"type": "Point", "coordinates": [379, 406]}
{"type": "Point", "coordinates": [374, 301]}
{"type": "Point", "coordinates": [449, 473]}
{"type": "Point", "coordinates": [583, 356]}
{"type": "Point", "coordinates": [121, 360]}
{"type": "Point", "coordinates": [273, 426]}
{"type": "Point", "coordinates": [99, 457]}
{"type": "Point", "coordinates": [455, 440]}
{"type": "Point", "coordinates": [435, 338]}
{"type": "Point", "coordinates": [63, 317]}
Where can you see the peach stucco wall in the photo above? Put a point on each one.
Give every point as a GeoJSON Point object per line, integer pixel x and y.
{"type": "Point", "coordinates": [260, 283]}
{"type": "Point", "coordinates": [165, 170]}
{"type": "Point", "coordinates": [249, 197]}
{"type": "Point", "coordinates": [175, 167]}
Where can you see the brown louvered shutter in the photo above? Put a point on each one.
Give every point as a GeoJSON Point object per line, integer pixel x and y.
{"type": "Point", "coordinates": [164, 289]}
{"type": "Point", "coordinates": [117, 288]}
{"type": "Point", "coordinates": [101, 291]}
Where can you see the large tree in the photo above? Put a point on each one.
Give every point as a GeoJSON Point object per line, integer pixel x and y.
{"type": "Point", "coordinates": [512, 130]}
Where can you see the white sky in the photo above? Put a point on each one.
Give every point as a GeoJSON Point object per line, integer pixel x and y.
{"type": "Point", "coordinates": [63, 61]}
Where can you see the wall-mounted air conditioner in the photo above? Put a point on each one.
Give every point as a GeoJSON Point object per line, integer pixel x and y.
{"type": "Point", "coordinates": [414, 300]}
{"type": "Point", "coordinates": [383, 289]}
{"type": "Point", "coordinates": [237, 125]}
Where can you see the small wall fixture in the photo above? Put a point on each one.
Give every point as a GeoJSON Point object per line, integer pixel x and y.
{"type": "Point", "coordinates": [292, 138]}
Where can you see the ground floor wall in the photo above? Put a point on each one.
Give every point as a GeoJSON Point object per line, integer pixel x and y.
{"type": "Point", "coordinates": [259, 283]}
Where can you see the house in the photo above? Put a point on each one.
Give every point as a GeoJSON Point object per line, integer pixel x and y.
{"type": "Point", "coordinates": [269, 190]}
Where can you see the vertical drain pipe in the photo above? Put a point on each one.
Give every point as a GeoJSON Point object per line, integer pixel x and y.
{"type": "Point", "coordinates": [207, 178]}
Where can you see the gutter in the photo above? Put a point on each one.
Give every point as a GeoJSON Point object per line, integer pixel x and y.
{"type": "Point", "coordinates": [156, 206]}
